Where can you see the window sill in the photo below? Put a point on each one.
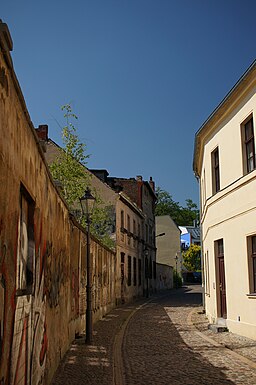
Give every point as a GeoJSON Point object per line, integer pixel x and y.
{"type": "Point", "coordinates": [251, 295]}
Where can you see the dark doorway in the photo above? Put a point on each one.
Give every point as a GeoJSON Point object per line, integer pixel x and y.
{"type": "Point", "coordinates": [122, 278]}
{"type": "Point", "coordinates": [221, 280]}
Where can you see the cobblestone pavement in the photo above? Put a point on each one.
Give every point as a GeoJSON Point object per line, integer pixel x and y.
{"type": "Point", "coordinates": [94, 364]}
{"type": "Point", "coordinates": [163, 347]}
{"type": "Point", "coordinates": [162, 342]}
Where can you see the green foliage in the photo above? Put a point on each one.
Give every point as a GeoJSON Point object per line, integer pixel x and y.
{"type": "Point", "coordinates": [192, 258]}
{"type": "Point", "coordinates": [182, 216]}
{"type": "Point", "coordinates": [177, 280]}
{"type": "Point", "coordinates": [69, 169]}
{"type": "Point", "coordinates": [102, 221]}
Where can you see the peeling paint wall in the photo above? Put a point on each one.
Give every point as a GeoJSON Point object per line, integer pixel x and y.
{"type": "Point", "coordinates": [42, 254]}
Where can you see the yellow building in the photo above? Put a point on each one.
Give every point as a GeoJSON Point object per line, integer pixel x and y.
{"type": "Point", "coordinates": [224, 163]}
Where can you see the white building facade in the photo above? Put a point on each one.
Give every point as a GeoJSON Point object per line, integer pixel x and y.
{"type": "Point", "coordinates": [225, 164]}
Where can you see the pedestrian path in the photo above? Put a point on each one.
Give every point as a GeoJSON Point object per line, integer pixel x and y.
{"type": "Point", "coordinates": [164, 341]}
{"type": "Point", "coordinates": [94, 364]}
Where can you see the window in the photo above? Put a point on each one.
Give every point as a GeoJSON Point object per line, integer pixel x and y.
{"type": "Point", "coordinates": [122, 268]}
{"type": "Point", "coordinates": [203, 191]}
{"type": "Point", "coordinates": [139, 268]}
{"type": "Point", "coordinates": [251, 244]}
{"type": "Point", "coordinates": [248, 146]}
{"type": "Point", "coordinates": [129, 278]}
{"type": "Point", "coordinates": [134, 271]}
{"type": "Point", "coordinates": [146, 233]}
{"type": "Point", "coordinates": [26, 245]}
{"type": "Point", "coordinates": [146, 267]}
{"type": "Point", "coordinates": [134, 233]}
{"type": "Point", "coordinates": [150, 234]}
{"type": "Point", "coordinates": [129, 229]}
{"type": "Point", "coordinates": [215, 171]}
{"type": "Point", "coordinates": [122, 219]}
{"type": "Point", "coordinates": [128, 223]}
{"type": "Point", "coordinates": [220, 248]}
{"type": "Point", "coordinates": [150, 268]}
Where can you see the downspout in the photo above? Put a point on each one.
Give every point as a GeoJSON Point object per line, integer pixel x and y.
{"type": "Point", "coordinates": [201, 243]}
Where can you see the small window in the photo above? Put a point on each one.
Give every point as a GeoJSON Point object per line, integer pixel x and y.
{"type": "Point", "coordinates": [26, 245]}
{"type": "Point", "coordinates": [134, 233]}
{"type": "Point", "coordinates": [146, 267]}
{"type": "Point", "coordinates": [251, 243]}
{"type": "Point", "coordinates": [248, 146]}
{"type": "Point", "coordinates": [150, 268]}
{"type": "Point", "coordinates": [139, 272]}
{"type": "Point", "coordinates": [128, 223]}
{"type": "Point", "coordinates": [146, 232]}
{"type": "Point", "coordinates": [215, 171]}
{"type": "Point", "coordinates": [150, 234]}
{"type": "Point", "coordinates": [134, 271]}
{"type": "Point", "coordinates": [129, 229]}
{"type": "Point", "coordinates": [129, 277]}
{"type": "Point", "coordinates": [122, 219]}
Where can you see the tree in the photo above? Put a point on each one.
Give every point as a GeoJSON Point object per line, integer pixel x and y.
{"type": "Point", "coordinates": [69, 169]}
{"type": "Point", "coordinates": [69, 166]}
{"type": "Point", "coordinates": [192, 258]}
{"type": "Point", "coordinates": [103, 221]}
{"type": "Point", "coordinates": [182, 216]}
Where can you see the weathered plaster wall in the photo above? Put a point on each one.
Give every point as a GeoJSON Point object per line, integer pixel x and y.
{"type": "Point", "coordinates": [42, 254]}
{"type": "Point", "coordinates": [164, 277]}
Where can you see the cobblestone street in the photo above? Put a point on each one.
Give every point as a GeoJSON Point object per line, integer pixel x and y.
{"type": "Point", "coordinates": [163, 341]}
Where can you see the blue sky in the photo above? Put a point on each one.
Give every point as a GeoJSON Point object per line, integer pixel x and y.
{"type": "Point", "coordinates": [142, 75]}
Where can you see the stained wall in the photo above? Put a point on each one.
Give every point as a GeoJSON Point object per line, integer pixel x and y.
{"type": "Point", "coordinates": [42, 252]}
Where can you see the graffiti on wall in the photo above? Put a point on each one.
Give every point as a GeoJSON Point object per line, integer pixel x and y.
{"type": "Point", "coordinates": [23, 302]}
{"type": "Point", "coordinates": [2, 296]}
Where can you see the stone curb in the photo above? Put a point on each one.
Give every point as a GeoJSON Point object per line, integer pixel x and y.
{"type": "Point", "coordinates": [217, 344]}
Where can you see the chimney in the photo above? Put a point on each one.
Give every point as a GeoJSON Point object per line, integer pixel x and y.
{"type": "Point", "coordinates": [42, 132]}
{"type": "Point", "coordinates": [152, 183]}
{"type": "Point", "coordinates": [102, 174]}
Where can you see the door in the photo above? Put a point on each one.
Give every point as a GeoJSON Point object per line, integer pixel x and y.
{"type": "Point", "coordinates": [222, 283]}
{"type": "Point", "coordinates": [122, 278]}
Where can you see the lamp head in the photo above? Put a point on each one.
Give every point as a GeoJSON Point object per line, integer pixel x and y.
{"type": "Point", "coordinates": [87, 202]}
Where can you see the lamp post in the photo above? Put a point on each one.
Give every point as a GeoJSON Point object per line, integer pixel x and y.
{"type": "Point", "coordinates": [176, 275]}
{"type": "Point", "coordinates": [87, 203]}
{"type": "Point", "coordinates": [146, 253]}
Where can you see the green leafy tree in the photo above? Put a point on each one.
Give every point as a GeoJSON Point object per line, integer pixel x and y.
{"type": "Point", "coordinates": [182, 216]}
{"type": "Point", "coordinates": [102, 221]}
{"type": "Point", "coordinates": [69, 169]}
{"type": "Point", "coordinates": [192, 258]}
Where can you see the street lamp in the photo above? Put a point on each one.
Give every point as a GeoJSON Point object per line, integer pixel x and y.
{"type": "Point", "coordinates": [87, 204]}
{"type": "Point", "coordinates": [176, 261]}
{"type": "Point", "coordinates": [146, 253]}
